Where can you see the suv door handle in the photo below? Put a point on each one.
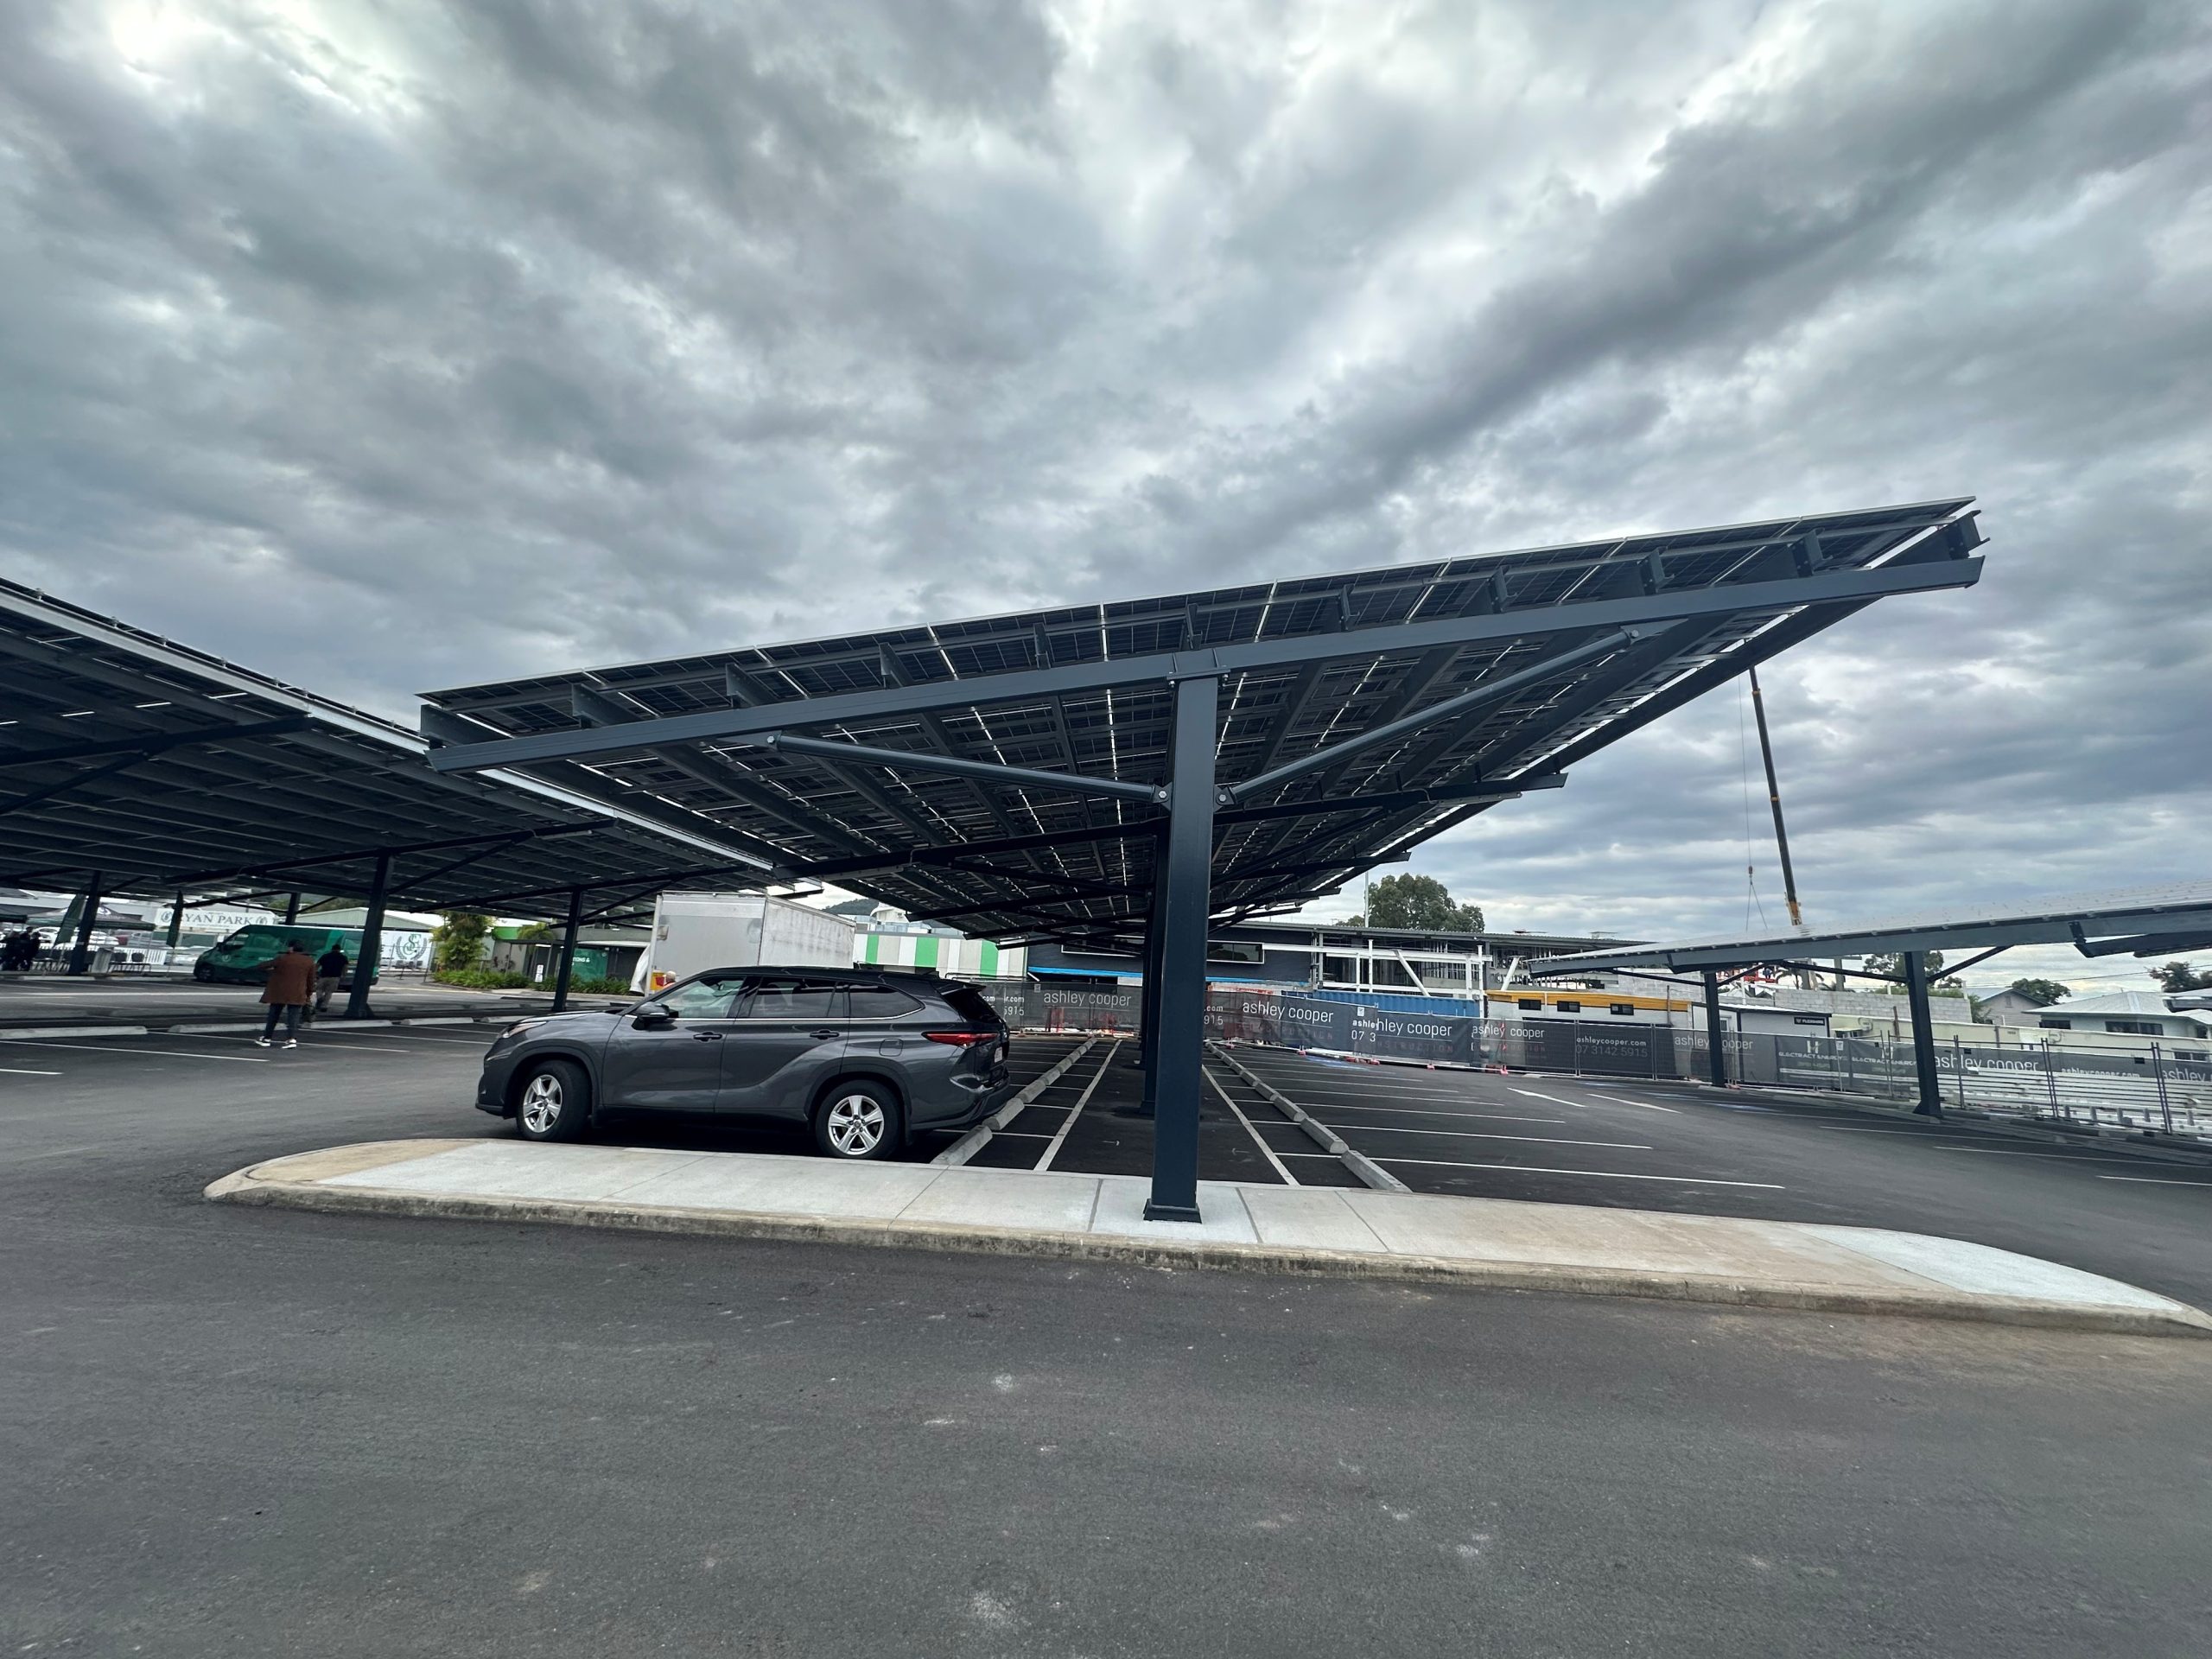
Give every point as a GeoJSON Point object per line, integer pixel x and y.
{"type": "Point", "coordinates": [826, 1031]}
{"type": "Point", "coordinates": [706, 1036]}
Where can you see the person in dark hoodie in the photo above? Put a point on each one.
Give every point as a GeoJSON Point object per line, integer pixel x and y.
{"type": "Point", "coordinates": [291, 983]}
{"type": "Point", "coordinates": [330, 968]}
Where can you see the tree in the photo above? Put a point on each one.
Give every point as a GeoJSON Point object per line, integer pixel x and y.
{"type": "Point", "coordinates": [1420, 902]}
{"type": "Point", "coordinates": [2042, 992]}
{"type": "Point", "coordinates": [1893, 965]}
{"type": "Point", "coordinates": [458, 945]}
{"type": "Point", "coordinates": [2181, 977]}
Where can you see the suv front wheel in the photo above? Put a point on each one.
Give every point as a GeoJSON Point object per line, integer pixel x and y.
{"type": "Point", "coordinates": [857, 1121]}
{"type": "Point", "coordinates": [555, 1102]}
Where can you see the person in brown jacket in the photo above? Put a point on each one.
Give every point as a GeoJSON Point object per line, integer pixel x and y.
{"type": "Point", "coordinates": [291, 983]}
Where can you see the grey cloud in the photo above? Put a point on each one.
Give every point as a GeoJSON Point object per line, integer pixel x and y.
{"type": "Point", "coordinates": [385, 347]}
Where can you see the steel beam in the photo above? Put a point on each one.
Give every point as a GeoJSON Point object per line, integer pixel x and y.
{"type": "Point", "coordinates": [1179, 1056]}
{"type": "Point", "coordinates": [371, 953]}
{"type": "Point", "coordinates": [353, 854]}
{"type": "Point", "coordinates": [569, 950]}
{"type": "Point", "coordinates": [1923, 1036]}
{"type": "Point", "coordinates": [954, 765]}
{"type": "Point", "coordinates": [2168, 938]}
{"type": "Point", "coordinates": [1776, 594]}
{"type": "Point", "coordinates": [1394, 800]}
{"type": "Point", "coordinates": [1716, 1038]}
{"type": "Point", "coordinates": [1148, 1002]}
{"type": "Point", "coordinates": [80, 952]}
{"type": "Point", "coordinates": [1450, 709]}
{"type": "Point", "coordinates": [60, 786]}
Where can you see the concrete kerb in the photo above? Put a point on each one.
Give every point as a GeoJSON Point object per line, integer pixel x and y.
{"type": "Point", "coordinates": [244, 1187]}
{"type": "Point", "coordinates": [191, 1027]}
{"type": "Point", "coordinates": [973, 1142]}
{"type": "Point", "coordinates": [1370, 1173]}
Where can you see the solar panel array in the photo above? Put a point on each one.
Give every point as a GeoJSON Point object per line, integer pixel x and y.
{"type": "Point", "coordinates": [160, 766]}
{"type": "Point", "coordinates": [1015, 859]}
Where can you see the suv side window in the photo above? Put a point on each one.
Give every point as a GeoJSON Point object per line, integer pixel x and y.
{"type": "Point", "coordinates": [795, 999]}
{"type": "Point", "coordinates": [881, 1002]}
{"type": "Point", "coordinates": [701, 998]}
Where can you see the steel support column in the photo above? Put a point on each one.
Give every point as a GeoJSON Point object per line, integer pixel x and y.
{"type": "Point", "coordinates": [365, 965]}
{"type": "Point", "coordinates": [176, 920]}
{"type": "Point", "coordinates": [1148, 996]}
{"type": "Point", "coordinates": [292, 907]}
{"type": "Point", "coordinates": [1177, 1075]}
{"type": "Point", "coordinates": [80, 952]}
{"type": "Point", "coordinates": [1716, 1038]}
{"type": "Point", "coordinates": [1923, 1036]}
{"type": "Point", "coordinates": [569, 949]}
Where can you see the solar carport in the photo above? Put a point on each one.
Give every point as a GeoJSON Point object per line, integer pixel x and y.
{"type": "Point", "coordinates": [128, 763]}
{"type": "Point", "coordinates": [2137, 921]}
{"type": "Point", "coordinates": [1141, 768]}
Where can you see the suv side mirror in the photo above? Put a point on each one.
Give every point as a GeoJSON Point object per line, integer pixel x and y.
{"type": "Point", "coordinates": [653, 1017]}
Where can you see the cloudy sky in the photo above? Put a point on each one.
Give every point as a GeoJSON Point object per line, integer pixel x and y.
{"type": "Point", "coordinates": [395, 345]}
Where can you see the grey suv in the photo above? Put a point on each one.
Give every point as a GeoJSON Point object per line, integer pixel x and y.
{"type": "Point", "coordinates": [867, 1059]}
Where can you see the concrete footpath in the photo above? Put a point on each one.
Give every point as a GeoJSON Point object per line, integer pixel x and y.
{"type": "Point", "coordinates": [1335, 1232]}
{"type": "Point", "coordinates": [60, 1005]}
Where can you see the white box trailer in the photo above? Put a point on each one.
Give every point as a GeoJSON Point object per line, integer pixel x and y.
{"type": "Point", "coordinates": [694, 931]}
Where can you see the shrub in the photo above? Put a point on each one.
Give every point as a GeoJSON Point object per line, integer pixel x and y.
{"type": "Point", "coordinates": [601, 987]}
{"type": "Point", "coordinates": [479, 979]}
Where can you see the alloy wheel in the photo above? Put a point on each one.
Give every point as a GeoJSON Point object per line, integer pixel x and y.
{"type": "Point", "coordinates": [856, 1125]}
{"type": "Point", "coordinates": [541, 1102]}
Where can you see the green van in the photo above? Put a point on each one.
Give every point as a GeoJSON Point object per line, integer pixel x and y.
{"type": "Point", "coordinates": [243, 958]}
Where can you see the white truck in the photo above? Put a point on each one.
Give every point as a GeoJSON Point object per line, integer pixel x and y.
{"type": "Point", "coordinates": [693, 931]}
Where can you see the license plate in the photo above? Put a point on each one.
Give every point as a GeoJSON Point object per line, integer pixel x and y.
{"type": "Point", "coordinates": [1000, 1053]}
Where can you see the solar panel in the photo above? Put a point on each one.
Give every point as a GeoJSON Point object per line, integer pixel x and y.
{"type": "Point", "coordinates": [1551, 653]}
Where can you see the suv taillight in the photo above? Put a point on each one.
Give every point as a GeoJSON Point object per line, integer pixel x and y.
{"type": "Point", "coordinates": [962, 1038]}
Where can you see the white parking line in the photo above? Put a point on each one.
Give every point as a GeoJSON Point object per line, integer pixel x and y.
{"type": "Point", "coordinates": [1083, 1100]}
{"type": "Point", "coordinates": [1611, 1100]}
{"type": "Point", "coordinates": [118, 1048]}
{"type": "Point", "coordinates": [2152, 1180]}
{"type": "Point", "coordinates": [307, 1040]}
{"type": "Point", "coordinates": [1474, 1135]}
{"type": "Point", "coordinates": [1554, 1099]}
{"type": "Point", "coordinates": [25, 1071]}
{"type": "Point", "coordinates": [1591, 1174]}
{"type": "Point", "coordinates": [1416, 1111]}
{"type": "Point", "coordinates": [1266, 1151]}
{"type": "Point", "coordinates": [1338, 1080]}
{"type": "Point", "coordinates": [1883, 1128]}
{"type": "Point", "coordinates": [2048, 1157]}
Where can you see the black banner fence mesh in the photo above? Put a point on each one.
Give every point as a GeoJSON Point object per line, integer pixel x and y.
{"type": "Point", "coordinates": [2156, 1087]}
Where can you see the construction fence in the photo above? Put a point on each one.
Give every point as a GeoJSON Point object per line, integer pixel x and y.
{"type": "Point", "coordinates": [2152, 1088]}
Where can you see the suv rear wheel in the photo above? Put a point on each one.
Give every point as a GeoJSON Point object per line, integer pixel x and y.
{"type": "Point", "coordinates": [555, 1103]}
{"type": "Point", "coordinates": [857, 1121]}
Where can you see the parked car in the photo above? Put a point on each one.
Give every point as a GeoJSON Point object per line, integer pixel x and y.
{"type": "Point", "coordinates": [243, 956]}
{"type": "Point", "coordinates": [865, 1058]}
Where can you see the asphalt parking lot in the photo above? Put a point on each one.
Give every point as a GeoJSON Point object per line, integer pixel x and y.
{"type": "Point", "coordinates": [1551, 1140]}
{"type": "Point", "coordinates": [226, 1429]}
